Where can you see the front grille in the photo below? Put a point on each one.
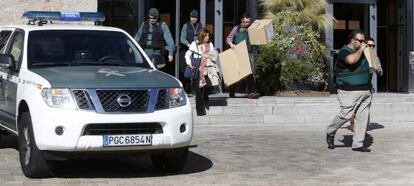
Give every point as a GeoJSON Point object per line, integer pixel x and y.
{"type": "Point", "coordinates": [110, 100]}
{"type": "Point", "coordinates": [162, 102]}
{"type": "Point", "coordinates": [123, 128]}
{"type": "Point", "coordinates": [83, 100]}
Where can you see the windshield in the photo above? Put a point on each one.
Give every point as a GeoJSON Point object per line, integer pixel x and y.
{"type": "Point", "coordinates": [82, 47]}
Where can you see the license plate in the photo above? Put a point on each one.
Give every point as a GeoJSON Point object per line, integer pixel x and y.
{"type": "Point", "coordinates": [127, 140]}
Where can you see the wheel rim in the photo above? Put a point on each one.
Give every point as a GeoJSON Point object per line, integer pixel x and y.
{"type": "Point", "coordinates": [26, 145]}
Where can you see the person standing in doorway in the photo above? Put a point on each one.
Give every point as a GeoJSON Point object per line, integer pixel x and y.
{"type": "Point", "coordinates": [371, 44]}
{"type": "Point", "coordinates": [189, 33]}
{"type": "Point", "coordinates": [353, 81]}
{"type": "Point", "coordinates": [203, 50]}
{"type": "Point", "coordinates": [236, 36]}
{"type": "Point", "coordinates": [190, 30]}
{"type": "Point", "coordinates": [151, 36]}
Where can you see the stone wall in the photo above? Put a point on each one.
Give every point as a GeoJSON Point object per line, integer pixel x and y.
{"type": "Point", "coordinates": [11, 11]}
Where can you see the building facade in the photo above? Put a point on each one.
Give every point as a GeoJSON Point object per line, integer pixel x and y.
{"type": "Point", "coordinates": [218, 16]}
{"type": "Point", "coordinates": [390, 23]}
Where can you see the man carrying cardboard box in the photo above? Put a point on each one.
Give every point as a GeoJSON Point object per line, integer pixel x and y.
{"type": "Point", "coordinates": [353, 80]}
{"type": "Point", "coordinates": [237, 35]}
{"type": "Point", "coordinates": [374, 65]}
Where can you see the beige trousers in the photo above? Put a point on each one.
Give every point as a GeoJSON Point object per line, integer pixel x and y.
{"type": "Point", "coordinates": [353, 102]}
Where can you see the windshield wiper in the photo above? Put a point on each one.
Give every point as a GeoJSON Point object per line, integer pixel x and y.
{"type": "Point", "coordinates": [105, 64]}
{"type": "Point", "coordinates": [53, 64]}
{"type": "Point", "coordinates": [117, 64]}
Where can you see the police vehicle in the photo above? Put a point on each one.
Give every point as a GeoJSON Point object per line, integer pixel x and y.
{"type": "Point", "coordinates": [69, 90]}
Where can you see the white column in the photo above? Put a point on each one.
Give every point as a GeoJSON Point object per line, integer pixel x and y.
{"type": "Point", "coordinates": [203, 12]}
{"type": "Point", "coordinates": [218, 24]}
{"type": "Point", "coordinates": [373, 33]}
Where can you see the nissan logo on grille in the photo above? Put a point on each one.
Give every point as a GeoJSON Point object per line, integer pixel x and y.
{"type": "Point", "coordinates": [124, 100]}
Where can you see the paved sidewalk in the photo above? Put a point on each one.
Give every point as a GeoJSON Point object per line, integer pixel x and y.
{"type": "Point", "coordinates": [240, 155]}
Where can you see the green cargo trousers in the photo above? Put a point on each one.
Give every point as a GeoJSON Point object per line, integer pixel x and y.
{"type": "Point", "coordinates": [353, 102]}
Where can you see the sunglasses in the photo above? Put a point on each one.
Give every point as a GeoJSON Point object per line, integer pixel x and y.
{"type": "Point", "coordinates": [360, 40]}
{"type": "Point", "coordinates": [371, 46]}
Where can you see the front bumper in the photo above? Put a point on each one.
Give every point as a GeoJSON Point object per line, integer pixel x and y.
{"type": "Point", "coordinates": [46, 119]}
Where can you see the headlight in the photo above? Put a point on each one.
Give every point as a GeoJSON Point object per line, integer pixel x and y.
{"type": "Point", "coordinates": [176, 97]}
{"type": "Point", "coordinates": [60, 98]}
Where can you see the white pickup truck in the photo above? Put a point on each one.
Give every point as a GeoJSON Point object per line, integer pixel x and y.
{"type": "Point", "coordinates": [71, 90]}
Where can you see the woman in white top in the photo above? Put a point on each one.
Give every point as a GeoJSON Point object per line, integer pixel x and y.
{"type": "Point", "coordinates": [204, 49]}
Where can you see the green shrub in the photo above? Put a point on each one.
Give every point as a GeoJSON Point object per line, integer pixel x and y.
{"type": "Point", "coordinates": [294, 60]}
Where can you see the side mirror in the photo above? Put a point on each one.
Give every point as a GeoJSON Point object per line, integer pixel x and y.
{"type": "Point", "coordinates": [7, 61]}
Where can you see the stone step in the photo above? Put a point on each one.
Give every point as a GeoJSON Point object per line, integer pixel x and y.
{"type": "Point", "coordinates": [270, 100]}
{"type": "Point", "coordinates": [294, 119]}
{"type": "Point", "coordinates": [379, 108]}
{"type": "Point", "coordinates": [299, 110]}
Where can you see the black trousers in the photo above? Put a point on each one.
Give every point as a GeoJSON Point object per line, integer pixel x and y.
{"type": "Point", "coordinates": [201, 95]}
{"type": "Point", "coordinates": [250, 84]}
{"type": "Point", "coordinates": [249, 80]}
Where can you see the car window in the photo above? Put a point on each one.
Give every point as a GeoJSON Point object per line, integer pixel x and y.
{"type": "Point", "coordinates": [4, 37]}
{"type": "Point", "coordinates": [16, 47]}
{"type": "Point", "coordinates": [82, 47]}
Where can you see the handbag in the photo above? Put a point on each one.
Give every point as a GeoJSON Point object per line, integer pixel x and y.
{"type": "Point", "coordinates": [192, 73]}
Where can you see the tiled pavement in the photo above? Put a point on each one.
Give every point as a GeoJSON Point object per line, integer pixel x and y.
{"type": "Point", "coordinates": [240, 155]}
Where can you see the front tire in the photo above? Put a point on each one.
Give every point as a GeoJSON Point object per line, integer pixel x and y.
{"type": "Point", "coordinates": [171, 162]}
{"type": "Point", "coordinates": [32, 162]}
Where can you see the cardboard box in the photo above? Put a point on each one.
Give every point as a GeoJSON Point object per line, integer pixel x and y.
{"type": "Point", "coordinates": [235, 64]}
{"type": "Point", "coordinates": [372, 59]}
{"type": "Point", "coordinates": [260, 32]}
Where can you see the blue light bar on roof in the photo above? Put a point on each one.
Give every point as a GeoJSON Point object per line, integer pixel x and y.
{"type": "Point", "coordinates": [65, 16]}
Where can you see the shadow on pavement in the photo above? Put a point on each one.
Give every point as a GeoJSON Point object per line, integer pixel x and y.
{"type": "Point", "coordinates": [369, 140]}
{"type": "Point", "coordinates": [132, 167]}
{"type": "Point", "coordinates": [114, 167]}
{"type": "Point", "coordinates": [347, 141]}
{"type": "Point", "coordinates": [374, 126]}
{"type": "Point", "coordinates": [8, 141]}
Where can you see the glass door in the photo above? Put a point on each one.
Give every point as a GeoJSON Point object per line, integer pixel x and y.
{"type": "Point", "coordinates": [120, 13]}
{"type": "Point", "coordinates": [350, 15]}
{"type": "Point", "coordinates": [233, 9]}
{"type": "Point", "coordinates": [392, 45]}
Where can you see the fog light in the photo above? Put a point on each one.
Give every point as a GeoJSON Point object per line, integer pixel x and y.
{"type": "Point", "coordinates": [182, 128]}
{"type": "Point", "coordinates": [59, 130]}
